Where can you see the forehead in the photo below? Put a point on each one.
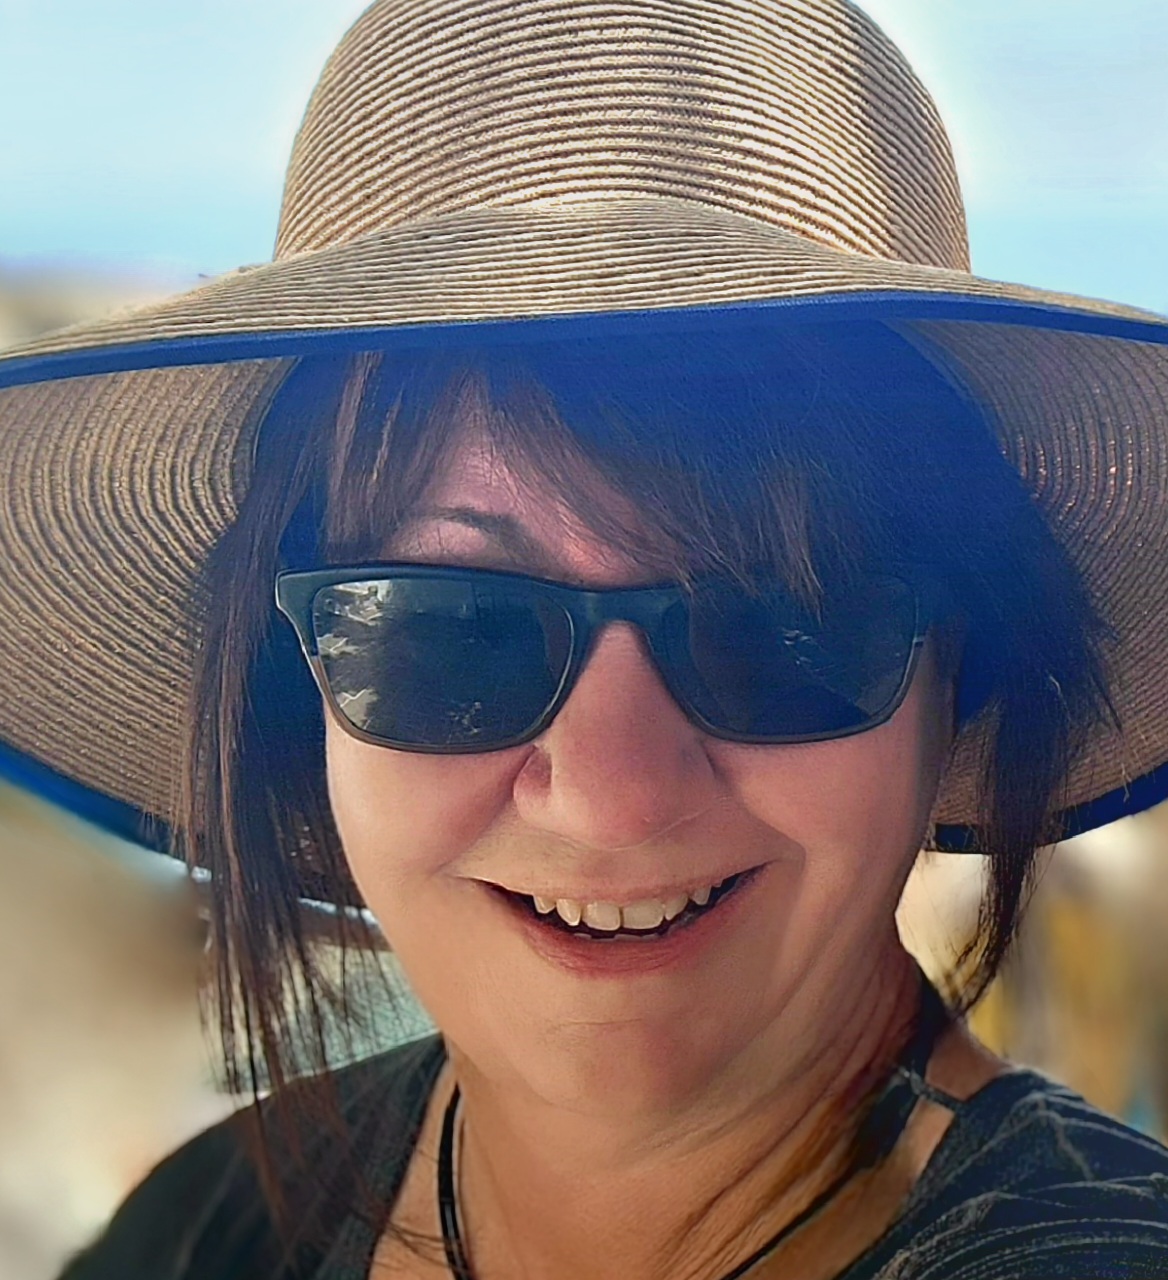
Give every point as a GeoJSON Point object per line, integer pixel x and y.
{"type": "Point", "coordinates": [494, 498]}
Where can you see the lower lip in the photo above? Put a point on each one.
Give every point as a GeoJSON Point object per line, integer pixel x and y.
{"type": "Point", "coordinates": [616, 957]}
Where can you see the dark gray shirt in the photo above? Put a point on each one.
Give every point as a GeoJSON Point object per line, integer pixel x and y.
{"type": "Point", "coordinates": [1030, 1182]}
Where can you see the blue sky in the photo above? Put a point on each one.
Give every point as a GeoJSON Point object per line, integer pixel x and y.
{"type": "Point", "coordinates": [152, 135]}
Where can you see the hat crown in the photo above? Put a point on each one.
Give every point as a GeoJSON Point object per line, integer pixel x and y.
{"type": "Point", "coordinates": [800, 113]}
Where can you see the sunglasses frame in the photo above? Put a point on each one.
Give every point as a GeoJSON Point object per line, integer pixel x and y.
{"type": "Point", "coordinates": [587, 611]}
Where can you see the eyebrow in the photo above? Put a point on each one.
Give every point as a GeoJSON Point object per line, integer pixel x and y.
{"type": "Point", "coordinates": [505, 530]}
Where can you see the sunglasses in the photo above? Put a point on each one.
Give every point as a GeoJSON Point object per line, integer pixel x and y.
{"type": "Point", "coordinates": [450, 660]}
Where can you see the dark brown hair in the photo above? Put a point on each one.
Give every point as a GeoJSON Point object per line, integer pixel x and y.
{"type": "Point", "coordinates": [811, 456]}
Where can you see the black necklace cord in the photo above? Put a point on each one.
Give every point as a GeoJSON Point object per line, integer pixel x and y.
{"type": "Point", "coordinates": [456, 1258]}
{"type": "Point", "coordinates": [882, 1128]}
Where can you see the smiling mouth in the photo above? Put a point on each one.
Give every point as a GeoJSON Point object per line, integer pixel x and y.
{"type": "Point", "coordinates": [554, 921]}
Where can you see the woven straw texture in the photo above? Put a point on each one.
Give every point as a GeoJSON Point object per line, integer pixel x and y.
{"type": "Point", "coordinates": [800, 113]}
{"type": "Point", "coordinates": [468, 161]}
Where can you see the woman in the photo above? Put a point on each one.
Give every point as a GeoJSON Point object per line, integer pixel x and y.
{"type": "Point", "coordinates": [679, 538]}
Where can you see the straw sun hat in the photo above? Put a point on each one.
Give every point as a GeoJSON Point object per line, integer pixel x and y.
{"type": "Point", "coordinates": [514, 169]}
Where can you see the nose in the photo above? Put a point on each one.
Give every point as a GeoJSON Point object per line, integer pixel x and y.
{"type": "Point", "coordinates": [621, 764]}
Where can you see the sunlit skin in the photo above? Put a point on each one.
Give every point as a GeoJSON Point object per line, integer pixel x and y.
{"type": "Point", "coordinates": [604, 1119]}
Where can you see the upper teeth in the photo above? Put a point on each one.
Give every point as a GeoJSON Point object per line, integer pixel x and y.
{"type": "Point", "coordinates": [647, 914]}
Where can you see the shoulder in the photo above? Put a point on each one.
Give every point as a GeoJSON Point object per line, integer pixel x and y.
{"type": "Point", "coordinates": [201, 1215]}
{"type": "Point", "coordinates": [1036, 1132]}
{"type": "Point", "coordinates": [1033, 1183]}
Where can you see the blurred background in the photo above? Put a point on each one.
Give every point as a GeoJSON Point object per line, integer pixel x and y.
{"type": "Point", "coordinates": [142, 148]}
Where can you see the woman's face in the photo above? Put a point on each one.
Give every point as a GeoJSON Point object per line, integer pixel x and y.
{"type": "Point", "coordinates": [621, 799]}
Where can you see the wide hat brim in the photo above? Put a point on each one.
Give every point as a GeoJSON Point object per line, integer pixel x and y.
{"type": "Point", "coordinates": [126, 446]}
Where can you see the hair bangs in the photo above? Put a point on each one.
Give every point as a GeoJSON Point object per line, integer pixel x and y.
{"type": "Point", "coordinates": [745, 455]}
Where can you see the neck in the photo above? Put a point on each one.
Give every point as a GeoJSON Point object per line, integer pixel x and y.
{"type": "Point", "coordinates": [683, 1191]}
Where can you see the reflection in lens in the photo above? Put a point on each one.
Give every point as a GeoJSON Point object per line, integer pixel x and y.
{"type": "Point", "coordinates": [438, 662]}
{"type": "Point", "coordinates": [764, 666]}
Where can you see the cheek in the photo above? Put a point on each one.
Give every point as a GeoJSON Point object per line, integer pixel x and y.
{"type": "Point", "coordinates": [859, 806]}
{"type": "Point", "coordinates": [403, 816]}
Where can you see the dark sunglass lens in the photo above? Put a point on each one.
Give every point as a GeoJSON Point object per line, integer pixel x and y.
{"type": "Point", "coordinates": [440, 663]}
{"type": "Point", "coordinates": [763, 666]}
